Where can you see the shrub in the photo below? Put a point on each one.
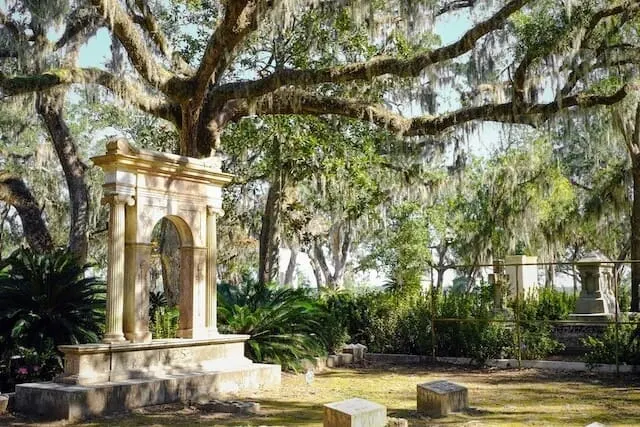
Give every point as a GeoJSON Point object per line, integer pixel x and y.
{"type": "Point", "coordinates": [283, 323]}
{"type": "Point", "coordinates": [165, 322]}
{"type": "Point", "coordinates": [45, 301]}
{"type": "Point", "coordinates": [603, 350]}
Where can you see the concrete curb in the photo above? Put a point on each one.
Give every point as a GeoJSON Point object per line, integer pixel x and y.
{"type": "Point", "coordinates": [551, 365]}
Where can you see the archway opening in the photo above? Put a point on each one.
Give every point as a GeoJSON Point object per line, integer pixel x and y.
{"type": "Point", "coordinates": [164, 290]}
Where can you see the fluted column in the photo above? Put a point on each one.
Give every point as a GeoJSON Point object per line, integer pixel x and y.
{"type": "Point", "coordinates": [212, 253]}
{"type": "Point", "coordinates": [115, 268]}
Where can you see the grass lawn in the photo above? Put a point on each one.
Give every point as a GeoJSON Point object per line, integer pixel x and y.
{"type": "Point", "coordinates": [497, 397]}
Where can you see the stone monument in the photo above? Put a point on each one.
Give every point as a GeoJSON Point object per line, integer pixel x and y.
{"type": "Point", "coordinates": [129, 369]}
{"type": "Point", "coordinates": [523, 274]}
{"type": "Point", "coordinates": [499, 282]}
{"type": "Point", "coordinates": [596, 302]}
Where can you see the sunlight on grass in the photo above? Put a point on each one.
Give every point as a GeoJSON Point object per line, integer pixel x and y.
{"type": "Point", "coordinates": [497, 398]}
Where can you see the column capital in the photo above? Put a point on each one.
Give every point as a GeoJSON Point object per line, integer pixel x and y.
{"type": "Point", "coordinates": [116, 199]}
{"type": "Point", "coordinates": [212, 210]}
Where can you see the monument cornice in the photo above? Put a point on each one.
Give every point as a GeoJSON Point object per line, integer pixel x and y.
{"type": "Point", "coordinates": [121, 156]}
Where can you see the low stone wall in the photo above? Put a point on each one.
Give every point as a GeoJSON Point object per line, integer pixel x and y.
{"type": "Point", "coordinates": [571, 335]}
{"type": "Point", "coordinates": [401, 359]}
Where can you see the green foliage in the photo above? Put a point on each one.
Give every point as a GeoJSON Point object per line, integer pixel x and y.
{"type": "Point", "coordinates": [402, 250]}
{"type": "Point", "coordinates": [627, 344]}
{"type": "Point", "coordinates": [45, 301]}
{"type": "Point", "coordinates": [46, 297]}
{"type": "Point", "coordinates": [165, 322]}
{"type": "Point", "coordinates": [285, 324]}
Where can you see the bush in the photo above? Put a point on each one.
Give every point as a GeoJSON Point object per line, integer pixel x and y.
{"type": "Point", "coordinates": [284, 324]}
{"type": "Point", "coordinates": [45, 301]}
{"type": "Point", "coordinates": [603, 350]}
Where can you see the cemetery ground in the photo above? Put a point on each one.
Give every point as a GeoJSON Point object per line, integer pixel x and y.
{"type": "Point", "coordinates": [496, 397]}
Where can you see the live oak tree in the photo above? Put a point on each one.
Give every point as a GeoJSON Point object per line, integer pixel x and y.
{"type": "Point", "coordinates": [520, 62]}
{"type": "Point", "coordinates": [206, 92]}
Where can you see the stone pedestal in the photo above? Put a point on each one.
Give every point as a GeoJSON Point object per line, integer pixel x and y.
{"type": "Point", "coordinates": [357, 350]}
{"type": "Point", "coordinates": [439, 398]}
{"type": "Point", "coordinates": [100, 379]}
{"type": "Point", "coordinates": [87, 364]}
{"type": "Point", "coordinates": [596, 302]}
{"type": "Point", "coordinates": [523, 274]}
{"type": "Point", "coordinates": [354, 413]}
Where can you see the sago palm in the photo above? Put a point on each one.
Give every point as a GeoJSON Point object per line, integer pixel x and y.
{"type": "Point", "coordinates": [45, 298]}
{"type": "Point", "coordinates": [284, 324]}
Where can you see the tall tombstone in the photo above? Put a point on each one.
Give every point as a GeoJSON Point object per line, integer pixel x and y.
{"type": "Point", "coordinates": [523, 274]}
{"type": "Point", "coordinates": [596, 301]}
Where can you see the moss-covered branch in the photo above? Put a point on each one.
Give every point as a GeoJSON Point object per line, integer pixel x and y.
{"type": "Point", "coordinates": [410, 67]}
{"type": "Point", "coordinates": [299, 102]}
{"type": "Point", "coordinates": [127, 91]}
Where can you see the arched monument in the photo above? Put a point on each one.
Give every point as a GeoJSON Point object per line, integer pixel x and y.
{"type": "Point", "coordinates": [130, 369]}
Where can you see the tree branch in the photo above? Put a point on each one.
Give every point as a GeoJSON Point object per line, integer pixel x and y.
{"type": "Point", "coordinates": [149, 23]}
{"type": "Point", "coordinates": [141, 58]}
{"type": "Point", "coordinates": [238, 21]}
{"type": "Point", "coordinates": [80, 21]}
{"type": "Point", "coordinates": [299, 102]}
{"type": "Point", "coordinates": [410, 67]}
{"type": "Point", "coordinates": [130, 92]}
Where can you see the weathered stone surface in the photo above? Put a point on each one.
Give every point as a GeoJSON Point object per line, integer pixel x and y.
{"type": "Point", "coordinates": [357, 350]}
{"type": "Point", "coordinates": [229, 407]}
{"type": "Point", "coordinates": [75, 402]}
{"type": "Point", "coordinates": [4, 404]}
{"type": "Point", "coordinates": [333, 361]}
{"type": "Point", "coordinates": [438, 398]}
{"type": "Point", "coordinates": [397, 422]}
{"type": "Point", "coordinates": [345, 359]}
{"type": "Point", "coordinates": [86, 364]}
{"type": "Point", "coordinates": [354, 413]}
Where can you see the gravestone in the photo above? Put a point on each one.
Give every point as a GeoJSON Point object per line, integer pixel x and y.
{"type": "Point", "coordinates": [596, 302]}
{"type": "Point", "coordinates": [438, 398]}
{"type": "Point", "coordinates": [499, 282]}
{"type": "Point", "coordinates": [357, 350]}
{"type": "Point", "coordinates": [523, 274]}
{"type": "Point", "coordinates": [354, 413]}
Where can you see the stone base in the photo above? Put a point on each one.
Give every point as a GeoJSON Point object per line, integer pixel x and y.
{"type": "Point", "coordinates": [87, 364]}
{"type": "Point", "coordinates": [75, 402]}
{"type": "Point", "coordinates": [438, 398]}
{"type": "Point", "coordinates": [354, 413]}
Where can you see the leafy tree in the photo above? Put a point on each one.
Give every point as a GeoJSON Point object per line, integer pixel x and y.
{"type": "Point", "coordinates": [205, 77]}
{"type": "Point", "coordinates": [403, 249]}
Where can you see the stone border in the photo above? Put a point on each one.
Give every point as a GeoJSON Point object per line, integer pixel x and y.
{"type": "Point", "coordinates": [551, 365]}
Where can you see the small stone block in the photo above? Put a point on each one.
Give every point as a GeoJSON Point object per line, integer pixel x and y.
{"type": "Point", "coordinates": [354, 413]}
{"type": "Point", "coordinates": [345, 359]}
{"type": "Point", "coordinates": [397, 422]}
{"type": "Point", "coordinates": [595, 424]}
{"type": "Point", "coordinates": [333, 361]}
{"type": "Point", "coordinates": [4, 404]}
{"type": "Point", "coordinates": [438, 398]}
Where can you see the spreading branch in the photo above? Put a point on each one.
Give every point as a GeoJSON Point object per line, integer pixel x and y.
{"type": "Point", "coordinates": [299, 102]}
{"type": "Point", "coordinates": [410, 67]}
{"type": "Point", "coordinates": [130, 92]}
{"type": "Point", "coordinates": [81, 21]}
{"type": "Point", "coordinates": [238, 22]}
{"type": "Point", "coordinates": [149, 24]}
{"type": "Point", "coordinates": [139, 54]}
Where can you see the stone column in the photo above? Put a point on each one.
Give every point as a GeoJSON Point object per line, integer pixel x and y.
{"type": "Point", "coordinates": [115, 268]}
{"type": "Point", "coordinates": [212, 291]}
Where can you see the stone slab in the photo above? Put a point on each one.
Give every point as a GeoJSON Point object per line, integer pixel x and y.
{"type": "Point", "coordinates": [76, 402]}
{"type": "Point", "coordinates": [86, 364]}
{"type": "Point", "coordinates": [438, 398]}
{"type": "Point", "coordinates": [354, 413]}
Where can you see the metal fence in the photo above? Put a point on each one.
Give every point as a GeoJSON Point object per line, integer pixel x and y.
{"type": "Point", "coordinates": [577, 273]}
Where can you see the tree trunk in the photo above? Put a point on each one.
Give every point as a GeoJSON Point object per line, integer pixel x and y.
{"type": "Point", "coordinates": [169, 248]}
{"type": "Point", "coordinates": [291, 267]}
{"type": "Point", "coordinates": [315, 266]}
{"type": "Point", "coordinates": [14, 192]}
{"type": "Point", "coordinates": [635, 238]}
{"type": "Point", "coordinates": [270, 233]}
{"type": "Point", "coordinates": [440, 281]}
{"type": "Point", "coordinates": [50, 108]}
